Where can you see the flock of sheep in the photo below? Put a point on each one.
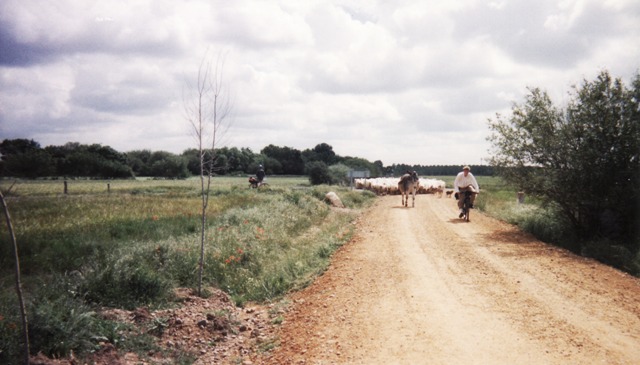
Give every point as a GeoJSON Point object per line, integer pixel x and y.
{"type": "Point", "coordinates": [389, 185]}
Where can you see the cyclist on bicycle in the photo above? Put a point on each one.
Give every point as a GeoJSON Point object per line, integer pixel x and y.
{"type": "Point", "coordinates": [260, 173]}
{"type": "Point", "coordinates": [465, 181]}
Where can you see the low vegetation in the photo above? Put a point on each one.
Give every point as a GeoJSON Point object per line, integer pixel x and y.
{"type": "Point", "coordinates": [130, 245]}
{"type": "Point", "coordinates": [549, 224]}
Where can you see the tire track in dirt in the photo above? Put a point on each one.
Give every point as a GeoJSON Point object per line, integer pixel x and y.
{"type": "Point", "coordinates": [419, 286]}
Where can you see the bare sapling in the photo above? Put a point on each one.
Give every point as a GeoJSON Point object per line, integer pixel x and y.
{"type": "Point", "coordinates": [207, 112]}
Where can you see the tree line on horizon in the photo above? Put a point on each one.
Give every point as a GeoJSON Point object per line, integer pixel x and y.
{"type": "Point", "coordinates": [25, 158]}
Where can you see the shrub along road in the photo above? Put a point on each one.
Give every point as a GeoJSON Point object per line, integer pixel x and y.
{"type": "Point", "coordinates": [420, 286]}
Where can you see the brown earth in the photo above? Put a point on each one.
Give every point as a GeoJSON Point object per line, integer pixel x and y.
{"type": "Point", "coordinates": [418, 286]}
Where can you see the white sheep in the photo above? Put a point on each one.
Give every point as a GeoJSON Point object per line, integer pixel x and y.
{"type": "Point", "coordinates": [389, 185]}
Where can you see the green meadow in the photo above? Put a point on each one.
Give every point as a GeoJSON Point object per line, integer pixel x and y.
{"type": "Point", "coordinates": [129, 243]}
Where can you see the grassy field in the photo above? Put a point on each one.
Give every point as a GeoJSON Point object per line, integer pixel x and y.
{"type": "Point", "coordinates": [129, 243]}
{"type": "Point", "coordinates": [61, 233]}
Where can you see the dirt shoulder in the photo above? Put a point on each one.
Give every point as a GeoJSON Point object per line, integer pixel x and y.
{"type": "Point", "coordinates": [417, 286]}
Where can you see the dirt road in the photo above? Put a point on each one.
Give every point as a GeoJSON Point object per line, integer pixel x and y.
{"type": "Point", "coordinates": [419, 286]}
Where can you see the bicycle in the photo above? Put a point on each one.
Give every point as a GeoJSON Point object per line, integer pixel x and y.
{"type": "Point", "coordinates": [254, 183]}
{"type": "Point", "coordinates": [466, 206]}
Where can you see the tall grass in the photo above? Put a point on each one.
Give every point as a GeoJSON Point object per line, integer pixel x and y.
{"type": "Point", "coordinates": [131, 245]}
{"type": "Point", "coordinates": [547, 223]}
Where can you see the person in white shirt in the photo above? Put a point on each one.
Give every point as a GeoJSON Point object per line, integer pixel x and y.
{"type": "Point", "coordinates": [465, 181]}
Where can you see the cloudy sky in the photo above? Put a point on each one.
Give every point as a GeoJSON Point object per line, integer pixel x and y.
{"type": "Point", "coordinates": [397, 81]}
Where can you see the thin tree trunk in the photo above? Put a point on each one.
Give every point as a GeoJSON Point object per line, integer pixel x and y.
{"type": "Point", "coordinates": [23, 312]}
{"type": "Point", "coordinates": [205, 166]}
{"type": "Point", "coordinates": [205, 201]}
{"type": "Point", "coordinates": [204, 123]}
{"type": "Point", "coordinates": [203, 222]}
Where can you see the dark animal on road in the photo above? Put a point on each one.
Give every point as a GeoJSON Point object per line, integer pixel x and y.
{"type": "Point", "coordinates": [409, 184]}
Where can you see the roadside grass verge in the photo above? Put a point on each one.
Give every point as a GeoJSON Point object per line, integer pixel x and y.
{"type": "Point", "coordinates": [546, 223]}
{"type": "Point", "coordinates": [500, 200]}
{"type": "Point", "coordinates": [133, 245]}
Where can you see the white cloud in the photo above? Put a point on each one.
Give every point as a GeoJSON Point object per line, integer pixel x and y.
{"type": "Point", "coordinates": [401, 82]}
{"type": "Point", "coordinates": [258, 25]}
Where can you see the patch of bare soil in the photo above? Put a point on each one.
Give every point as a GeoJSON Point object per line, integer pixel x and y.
{"type": "Point", "coordinates": [420, 286]}
{"type": "Point", "coordinates": [212, 329]}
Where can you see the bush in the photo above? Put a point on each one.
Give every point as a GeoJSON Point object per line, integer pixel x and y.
{"type": "Point", "coordinates": [61, 324]}
{"type": "Point", "coordinates": [612, 254]}
{"type": "Point", "coordinates": [583, 158]}
{"type": "Point", "coordinates": [339, 174]}
{"type": "Point", "coordinates": [548, 225]}
{"type": "Point", "coordinates": [356, 199]}
{"type": "Point", "coordinates": [318, 173]}
{"type": "Point", "coordinates": [59, 321]}
{"type": "Point", "coordinates": [127, 283]}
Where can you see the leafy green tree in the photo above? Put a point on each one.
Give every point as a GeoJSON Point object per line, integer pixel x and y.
{"type": "Point", "coordinates": [227, 160]}
{"type": "Point", "coordinates": [290, 159]}
{"type": "Point", "coordinates": [234, 160]}
{"type": "Point", "coordinates": [30, 164]}
{"type": "Point", "coordinates": [321, 152]}
{"type": "Point", "coordinates": [339, 174]}
{"type": "Point", "coordinates": [271, 165]}
{"type": "Point", "coordinates": [318, 173]}
{"type": "Point", "coordinates": [17, 146]}
{"type": "Point", "coordinates": [357, 163]}
{"type": "Point", "coordinates": [244, 159]}
{"type": "Point", "coordinates": [24, 158]}
{"type": "Point", "coordinates": [138, 160]}
{"type": "Point", "coordinates": [584, 159]}
{"type": "Point", "coordinates": [378, 168]}
{"type": "Point", "coordinates": [107, 162]}
{"type": "Point", "coordinates": [75, 159]}
{"type": "Point", "coordinates": [168, 165]}
{"type": "Point", "coordinates": [107, 153]}
{"type": "Point", "coordinates": [192, 157]}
